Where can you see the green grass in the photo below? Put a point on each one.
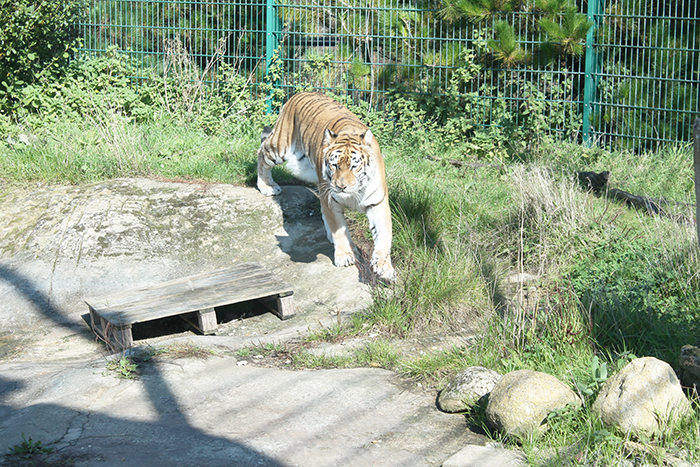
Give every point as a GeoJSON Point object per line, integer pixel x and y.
{"type": "Point", "coordinates": [109, 146]}
{"type": "Point", "coordinates": [612, 280]}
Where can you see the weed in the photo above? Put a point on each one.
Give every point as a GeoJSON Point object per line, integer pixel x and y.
{"type": "Point", "coordinates": [123, 367]}
{"type": "Point", "coordinates": [244, 352]}
{"type": "Point", "coordinates": [271, 347]}
{"type": "Point", "coordinates": [599, 374]}
{"type": "Point", "coordinates": [29, 447]}
{"type": "Point", "coordinates": [304, 358]}
{"type": "Point", "coordinates": [434, 367]}
{"type": "Point", "coordinates": [379, 353]}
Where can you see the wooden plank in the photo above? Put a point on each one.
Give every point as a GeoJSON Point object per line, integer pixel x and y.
{"type": "Point", "coordinates": [196, 293]}
{"type": "Point", "coordinates": [243, 276]}
{"type": "Point", "coordinates": [225, 286]}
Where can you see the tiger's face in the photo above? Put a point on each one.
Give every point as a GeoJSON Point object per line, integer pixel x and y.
{"type": "Point", "coordinates": [346, 161]}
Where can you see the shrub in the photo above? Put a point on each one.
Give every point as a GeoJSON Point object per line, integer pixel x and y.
{"type": "Point", "coordinates": [36, 38]}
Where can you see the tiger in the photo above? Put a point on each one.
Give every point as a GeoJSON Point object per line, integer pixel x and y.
{"type": "Point", "coordinates": [324, 143]}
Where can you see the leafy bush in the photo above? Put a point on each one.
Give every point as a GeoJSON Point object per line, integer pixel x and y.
{"type": "Point", "coordinates": [37, 39]}
{"type": "Point", "coordinates": [85, 87]}
{"type": "Point", "coordinates": [98, 87]}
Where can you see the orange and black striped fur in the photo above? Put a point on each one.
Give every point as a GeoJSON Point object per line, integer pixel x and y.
{"type": "Point", "coordinates": [325, 143]}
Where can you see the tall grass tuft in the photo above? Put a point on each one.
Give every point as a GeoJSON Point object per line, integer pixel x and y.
{"type": "Point", "coordinates": [441, 288]}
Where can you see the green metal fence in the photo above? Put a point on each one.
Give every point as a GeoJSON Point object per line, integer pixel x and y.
{"type": "Point", "coordinates": [150, 30]}
{"type": "Point", "coordinates": [622, 73]}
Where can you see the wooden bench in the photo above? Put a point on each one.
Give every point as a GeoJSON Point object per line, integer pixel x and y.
{"type": "Point", "coordinates": [113, 316]}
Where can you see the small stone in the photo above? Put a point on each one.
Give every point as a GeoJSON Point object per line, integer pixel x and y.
{"type": "Point", "coordinates": [466, 388]}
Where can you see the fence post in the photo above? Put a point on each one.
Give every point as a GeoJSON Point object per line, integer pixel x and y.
{"type": "Point", "coordinates": [589, 87]}
{"type": "Point", "coordinates": [272, 42]}
{"type": "Point", "coordinates": [696, 163]}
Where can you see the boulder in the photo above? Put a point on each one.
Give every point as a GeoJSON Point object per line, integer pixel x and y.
{"type": "Point", "coordinates": [642, 398]}
{"type": "Point", "coordinates": [466, 388]}
{"type": "Point", "coordinates": [521, 400]}
{"type": "Point", "coordinates": [689, 362]}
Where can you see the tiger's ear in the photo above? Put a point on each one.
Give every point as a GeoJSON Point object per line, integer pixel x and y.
{"type": "Point", "coordinates": [368, 137]}
{"type": "Point", "coordinates": [328, 137]}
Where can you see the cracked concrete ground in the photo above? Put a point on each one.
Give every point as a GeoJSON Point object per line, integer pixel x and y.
{"type": "Point", "coordinates": [61, 244]}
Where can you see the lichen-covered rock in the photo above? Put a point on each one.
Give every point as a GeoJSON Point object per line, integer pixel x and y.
{"type": "Point", "coordinates": [521, 400]}
{"type": "Point", "coordinates": [689, 362]}
{"type": "Point", "coordinates": [466, 388]}
{"type": "Point", "coordinates": [642, 397]}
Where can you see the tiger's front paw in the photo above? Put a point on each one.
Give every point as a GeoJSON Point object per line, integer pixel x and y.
{"type": "Point", "coordinates": [381, 264]}
{"type": "Point", "coordinates": [344, 258]}
{"type": "Point", "coordinates": [269, 190]}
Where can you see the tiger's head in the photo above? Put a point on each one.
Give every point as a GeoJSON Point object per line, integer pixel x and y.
{"type": "Point", "coordinates": [347, 161]}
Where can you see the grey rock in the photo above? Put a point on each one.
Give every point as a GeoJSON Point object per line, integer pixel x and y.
{"type": "Point", "coordinates": [521, 400]}
{"type": "Point", "coordinates": [689, 362]}
{"type": "Point", "coordinates": [60, 244]}
{"type": "Point", "coordinates": [642, 398]}
{"type": "Point", "coordinates": [466, 388]}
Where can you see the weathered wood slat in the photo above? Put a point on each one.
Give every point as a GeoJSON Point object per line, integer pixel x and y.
{"type": "Point", "coordinates": [234, 284]}
{"type": "Point", "coordinates": [158, 292]}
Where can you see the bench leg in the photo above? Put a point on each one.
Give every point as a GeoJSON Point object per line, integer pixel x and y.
{"type": "Point", "coordinates": [117, 338]}
{"type": "Point", "coordinates": [285, 305]}
{"type": "Point", "coordinates": [207, 320]}
{"type": "Point", "coordinates": [281, 305]}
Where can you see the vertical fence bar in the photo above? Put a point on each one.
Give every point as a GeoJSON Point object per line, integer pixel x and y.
{"type": "Point", "coordinates": [272, 43]}
{"type": "Point", "coordinates": [589, 89]}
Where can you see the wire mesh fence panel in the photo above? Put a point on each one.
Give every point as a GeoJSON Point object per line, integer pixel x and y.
{"type": "Point", "coordinates": [647, 75]}
{"type": "Point", "coordinates": [622, 74]}
{"type": "Point", "coordinates": [363, 48]}
{"type": "Point", "coordinates": [161, 33]}
{"type": "Point", "coordinates": [374, 51]}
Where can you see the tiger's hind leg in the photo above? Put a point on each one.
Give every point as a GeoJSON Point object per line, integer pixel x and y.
{"type": "Point", "coordinates": [266, 184]}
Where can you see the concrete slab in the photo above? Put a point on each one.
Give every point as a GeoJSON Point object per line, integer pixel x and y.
{"type": "Point", "coordinates": [60, 244]}
{"type": "Point", "coordinates": [486, 456]}
{"type": "Point", "coordinates": [214, 412]}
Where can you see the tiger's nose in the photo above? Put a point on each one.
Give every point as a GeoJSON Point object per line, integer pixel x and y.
{"type": "Point", "coordinates": [341, 184]}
